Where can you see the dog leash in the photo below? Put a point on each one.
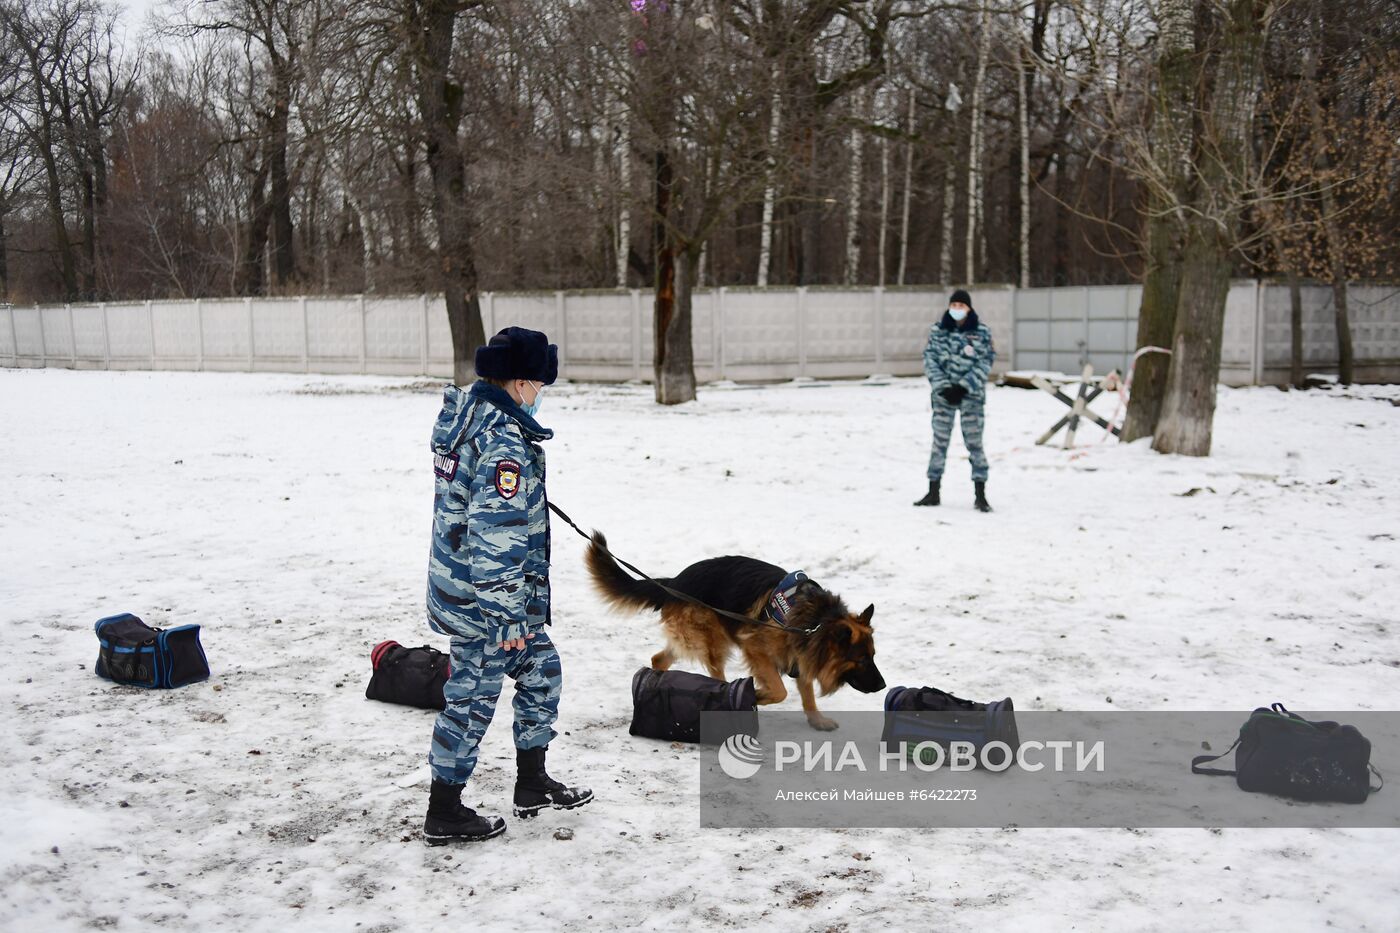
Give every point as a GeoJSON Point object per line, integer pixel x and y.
{"type": "Point", "coordinates": [732, 616]}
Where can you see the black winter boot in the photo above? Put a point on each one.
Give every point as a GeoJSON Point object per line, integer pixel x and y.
{"type": "Point", "coordinates": [980, 503]}
{"type": "Point", "coordinates": [535, 789]}
{"type": "Point", "coordinates": [448, 821]}
{"type": "Point", "coordinates": [930, 497]}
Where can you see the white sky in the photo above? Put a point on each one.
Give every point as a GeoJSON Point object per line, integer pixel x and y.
{"type": "Point", "coordinates": [136, 12]}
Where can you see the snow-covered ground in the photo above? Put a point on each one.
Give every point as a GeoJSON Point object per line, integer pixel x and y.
{"type": "Point", "coordinates": [289, 515]}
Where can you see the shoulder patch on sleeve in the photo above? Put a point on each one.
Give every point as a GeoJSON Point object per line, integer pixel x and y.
{"type": "Point", "coordinates": [445, 465]}
{"type": "Point", "coordinates": [507, 478]}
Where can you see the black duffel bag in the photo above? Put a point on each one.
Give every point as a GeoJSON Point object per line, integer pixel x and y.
{"type": "Point", "coordinates": [1282, 753]}
{"type": "Point", "coordinates": [131, 652]}
{"type": "Point", "coordinates": [668, 704]}
{"type": "Point", "coordinates": [408, 676]}
{"type": "Point", "coordinates": [914, 715]}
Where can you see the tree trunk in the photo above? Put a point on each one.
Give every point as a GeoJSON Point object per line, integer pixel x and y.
{"type": "Point", "coordinates": [673, 366]}
{"type": "Point", "coordinates": [974, 155]}
{"type": "Point", "coordinates": [1189, 406]}
{"type": "Point", "coordinates": [884, 208]}
{"type": "Point", "coordinates": [770, 190]}
{"type": "Point", "coordinates": [1346, 362]}
{"type": "Point", "coordinates": [280, 193]}
{"type": "Point", "coordinates": [857, 152]}
{"type": "Point", "coordinates": [1222, 160]}
{"type": "Point", "coordinates": [908, 193]}
{"type": "Point", "coordinates": [4, 264]}
{"type": "Point", "coordinates": [624, 207]}
{"type": "Point", "coordinates": [440, 104]}
{"type": "Point", "coordinates": [96, 150]}
{"type": "Point", "coordinates": [811, 217]}
{"type": "Point", "coordinates": [1161, 290]}
{"type": "Point", "coordinates": [950, 194]}
{"type": "Point", "coordinates": [1059, 236]}
{"type": "Point", "coordinates": [252, 265]}
{"type": "Point", "coordinates": [1171, 140]}
{"type": "Point", "coordinates": [1023, 79]}
{"type": "Point", "coordinates": [1332, 230]}
{"type": "Point", "coordinates": [54, 193]}
{"type": "Point", "coordinates": [89, 236]}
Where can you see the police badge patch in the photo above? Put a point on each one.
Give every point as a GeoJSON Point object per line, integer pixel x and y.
{"type": "Point", "coordinates": [507, 478]}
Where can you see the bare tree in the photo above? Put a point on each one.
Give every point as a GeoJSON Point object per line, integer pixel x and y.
{"type": "Point", "coordinates": [974, 154]}
{"type": "Point", "coordinates": [19, 169]}
{"type": "Point", "coordinates": [41, 37]}
{"type": "Point", "coordinates": [1173, 101]}
{"type": "Point", "coordinates": [1221, 183]}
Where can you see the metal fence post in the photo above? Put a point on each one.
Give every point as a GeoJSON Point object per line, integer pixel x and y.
{"type": "Point", "coordinates": [73, 338]}
{"type": "Point", "coordinates": [637, 334]}
{"type": "Point", "coordinates": [1084, 357]}
{"type": "Point", "coordinates": [1260, 343]}
{"type": "Point", "coordinates": [151, 323]}
{"type": "Point", "coordinates": [14, 336]}
{"type": "Point", "coordinates": [717, 328]}
{"type": "Point", "coordinates": [1011, 339]}
{"type": "Point", "coordinates": [560, 307]}
{"type": "Point", "coordinates": [879, 326]}
{"type": "Point", "coordinates": [364, 337]}
{"type": "Point", "coordinates": [423, 344]}
{"type": "Point", "coordinates": [106, 341]}
{"type": "Point", "coordinates": [802, 330]}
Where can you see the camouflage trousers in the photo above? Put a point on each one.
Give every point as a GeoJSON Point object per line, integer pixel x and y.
{"type": "Point", "coordinates": [478, 672]}
{"type": "Point", "coordinates": [972, 419]}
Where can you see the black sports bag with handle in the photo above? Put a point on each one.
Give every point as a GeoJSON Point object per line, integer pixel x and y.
{"type": "Point", "coordinates": [668, 704]}
{"type": "Point", "coordinates": [408, 676]}
{"type": "Point", "coordinates": [1280, 752]}
{"type": "Point", "coordinates": [927, 714]}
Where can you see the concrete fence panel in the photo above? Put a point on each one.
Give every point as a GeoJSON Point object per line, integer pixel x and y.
{"type": "Point", "coordinates": [737, 332]}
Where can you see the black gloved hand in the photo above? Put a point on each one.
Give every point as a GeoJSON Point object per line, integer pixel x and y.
{"type": "Point", "coordinates": [953, 395]}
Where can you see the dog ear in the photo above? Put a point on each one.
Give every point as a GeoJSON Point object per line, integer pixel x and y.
{"type": "Point", "coordinates": [868, 613]}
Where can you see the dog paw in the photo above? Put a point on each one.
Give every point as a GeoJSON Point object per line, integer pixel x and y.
{"type": "Point", "coordinates": [822, 723]}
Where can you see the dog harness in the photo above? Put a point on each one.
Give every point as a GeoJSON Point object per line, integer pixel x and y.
{"type": "Point", "coordinates": [781, 604]}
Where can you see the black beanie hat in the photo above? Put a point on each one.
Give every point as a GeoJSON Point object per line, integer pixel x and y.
{"type": "Point", "coordinates": [961, 295]}
{"type": "Point", "coordinates": [517, 353]}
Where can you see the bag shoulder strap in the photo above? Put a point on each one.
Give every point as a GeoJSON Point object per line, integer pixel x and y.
{"type": "Point", "coordinates": [1202, 759]}
{"type": "Point", "coordinates": [1379, 787]}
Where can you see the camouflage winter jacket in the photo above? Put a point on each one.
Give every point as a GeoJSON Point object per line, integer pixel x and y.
{"type": "Point", "coordinates": [960, 355]}
{"type": "Point", "coordinates": [488, 573]}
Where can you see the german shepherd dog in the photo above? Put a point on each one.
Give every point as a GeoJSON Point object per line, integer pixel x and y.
{"type": "Point", "coordinates": [841, 650]}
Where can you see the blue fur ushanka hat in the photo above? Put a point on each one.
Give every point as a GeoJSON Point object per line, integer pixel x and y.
{"type": "Point", "coordinates": [518, 353]}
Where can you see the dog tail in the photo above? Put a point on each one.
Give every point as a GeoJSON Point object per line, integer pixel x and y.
{"type": "Point", "coordinates": [614, 583]}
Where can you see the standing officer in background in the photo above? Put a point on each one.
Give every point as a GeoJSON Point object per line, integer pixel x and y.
{"type": "Point", "coordinates": [488, 582]}
{"type": "Point", "coordinates": [957, 361]}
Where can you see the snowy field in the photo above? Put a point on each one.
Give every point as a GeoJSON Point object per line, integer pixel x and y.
{"type": "Point", "coordinates": [289, 515]}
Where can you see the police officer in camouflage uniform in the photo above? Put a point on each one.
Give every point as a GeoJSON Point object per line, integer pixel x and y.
{"type": "Point", "coordinates": [488, 582]}
{"type": "Point", "coordinates": [957, 361]}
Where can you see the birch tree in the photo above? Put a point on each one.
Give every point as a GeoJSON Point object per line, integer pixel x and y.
{"type": "Point", "coordinates": [856, 152]}
{"type": "Point", "coordinates": [974, 155]}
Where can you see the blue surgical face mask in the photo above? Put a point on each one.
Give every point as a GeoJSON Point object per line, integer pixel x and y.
{"type": "Point", "coordinates": [533, 408]}
{"type": "Point", "coordinates": [957, 313]}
